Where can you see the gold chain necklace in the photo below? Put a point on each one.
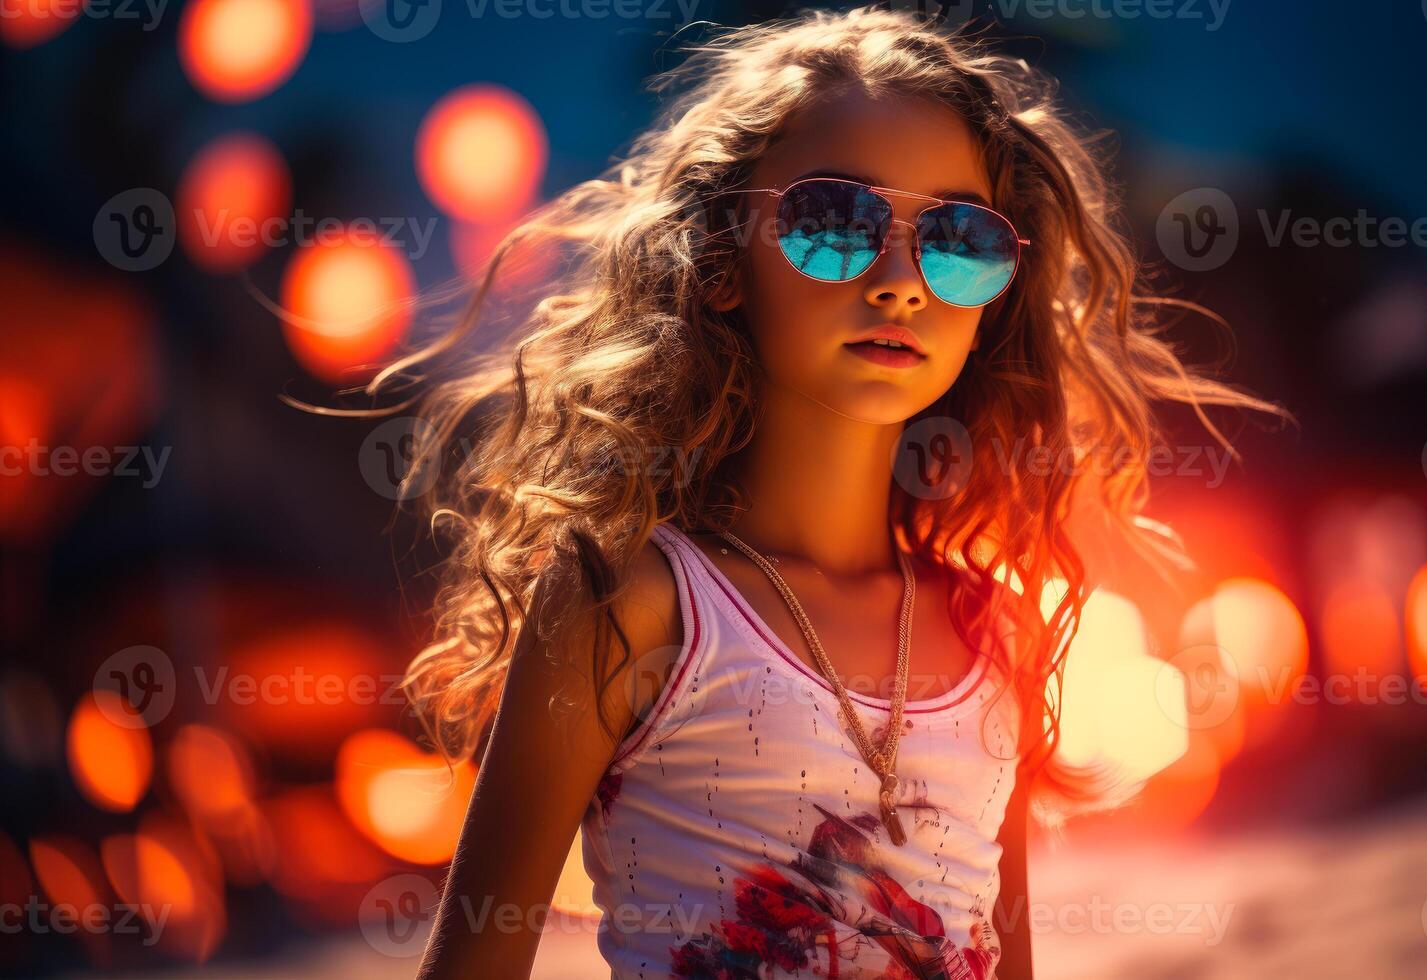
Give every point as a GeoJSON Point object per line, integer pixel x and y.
{"type": "Point", "coordinates": [883, 760]}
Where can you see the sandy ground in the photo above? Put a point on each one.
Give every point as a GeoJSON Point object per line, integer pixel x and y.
{"type": "Point", "coordinates": [1347, 903]}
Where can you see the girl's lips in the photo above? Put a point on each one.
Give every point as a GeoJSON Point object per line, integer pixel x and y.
{"type": "Point", "coordinates": [885, 356]}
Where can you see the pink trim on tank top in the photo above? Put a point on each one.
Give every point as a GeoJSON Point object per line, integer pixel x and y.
{"type": "Point", "coordinates": [956, 695]}
{"type": "Point", "coordinates": [689, 653]}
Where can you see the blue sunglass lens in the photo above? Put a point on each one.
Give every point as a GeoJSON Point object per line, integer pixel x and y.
{"type": "Point", "coordinates": [968, 253]}
{"type": "Point", "coordinates": [832, 230]}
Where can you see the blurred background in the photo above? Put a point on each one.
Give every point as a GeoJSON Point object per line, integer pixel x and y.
{"type": "Point", "coordinates": [209, 596]}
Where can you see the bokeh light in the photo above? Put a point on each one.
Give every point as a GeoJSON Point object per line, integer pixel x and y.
{"type": "Point", "coordinates": [1361, 631]}
{"type": "Point", "coordinates": [79, 368]}
{"type": "Point", "coordinates": [298, 689]}
{"type": "Point", "coordinates": [406, 800]}
{"type": "Point", "coordinates": [323, 864]}
{"type": "Point", "coordinates": [164, 866]}
{"type": "Point", "coordinates": [481, 154]}
{"type": "Point", "coordinates": [344, 300]}
{"type": "Point", "coordinates": [144, 870]}
{"type": "Point", "coordinates": [33, 22]}
{"type": "Point", "coordinates": [1416, 622]}
{"type": "Point", "coordinates": [230, 200]}
{"type": "Point", "coordinates": [211, 774]}
{"type": "Point", "coordinates": [69, 872]}
{"type": "Point", "coordinates": [528, 263]}
{"type": "Point", "coordinates": [1112, 712]}
{"type": "Point", "coordinates": [236, 50]}
{"type": "Point", "coordinates": [1263, 631]}
{"type": "Point", "coordinates": [111, 764]}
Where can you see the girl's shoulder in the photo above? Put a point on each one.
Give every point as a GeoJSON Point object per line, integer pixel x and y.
{"type": "Point", "coordinates": [649, 615]}
{"type": "Point", "coordinates": [649, 606]}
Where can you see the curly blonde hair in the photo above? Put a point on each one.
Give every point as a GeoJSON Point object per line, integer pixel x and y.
{"type": "Point", "coordinates": [623, 355]}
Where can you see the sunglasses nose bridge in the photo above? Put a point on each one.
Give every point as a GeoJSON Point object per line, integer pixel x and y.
{"type": "Point", "coordinates": [916, 238]}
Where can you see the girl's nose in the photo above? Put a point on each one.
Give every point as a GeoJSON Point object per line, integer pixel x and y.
{"type": "Point", "coordinates": [894, 279]}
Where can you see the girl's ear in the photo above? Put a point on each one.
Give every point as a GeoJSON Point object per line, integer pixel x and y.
{"type": "Point", "coordinates": [728, 293]}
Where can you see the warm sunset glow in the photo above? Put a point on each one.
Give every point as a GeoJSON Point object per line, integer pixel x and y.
{"type": "Point", "coordinates": [110, 764]}
{"type": "Point", "coordinates": [1416, 621]}
{"type": "Point", "coordinates": [1361, 630]}
{"type": "Point", "coordinates": [1176, 796]}
{"type": "Point", "coordinates": [1209, 684]}
{"type": "Point", "coordinates": [481, 154]}
{"type": "Point", "coordinates": [233, 202]}
{"type": "Point", "coordinates": [236, 50]}
{"type": "Point", "coordinates": [1263, 631]}
{"type": "Point", "coordinates": [342, 301]}
{"type": "Point", "coordinates": [574, 892]}
{"type": "Point", "coordinates": [1113, 711]}
{"type": "Point", "coordinates": [404, 799]}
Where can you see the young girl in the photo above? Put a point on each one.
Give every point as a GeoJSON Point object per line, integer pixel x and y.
{"type": "Point", "coordinates": [747, 569]}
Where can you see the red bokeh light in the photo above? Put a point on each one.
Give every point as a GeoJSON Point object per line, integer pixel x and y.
{"type": "Point", "coordinates": [1360, 629]}
{"type": "Point", "coordinates": [323, 865]}
{"type": "Point", "coordinates": [1415, 618]}
{"type": "Point", "coordinates": [481, 154]}
{"type": "Point", "coordinates": [228, 199]}
{"type": "Point", "coordinates": [344, 300]}
{"type": "Point", "coordinates": [165, 866]}
{"type": "Point", "coordinates": [527, 264]}
{"type": "Point", "coordinates": [69, 872]}
{"type": "Point", "coordinates": [79, 373]}
{"type": "Point", "coordinates": [404, 799]}
{"type": "Point", "coordinates": [33, 22]}
{"type": "Point", "coordinates": [236, 50]}
{"type": "Point", "coordinates": [211, 774]}
{"type": "Point", "coordinates": [111, 764]}
{"type": "Point", "coordinates": [300, 689]}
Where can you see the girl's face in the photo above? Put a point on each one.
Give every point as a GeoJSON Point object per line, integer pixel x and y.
{"type": "Point", "coordinates": [802, 327]}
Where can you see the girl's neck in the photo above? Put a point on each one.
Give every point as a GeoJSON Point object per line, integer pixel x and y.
{"type": "Point", "coordinates": [819, 485]}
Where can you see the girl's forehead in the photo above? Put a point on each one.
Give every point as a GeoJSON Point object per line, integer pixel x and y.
{"type": "Point", "coordinates": [908, 142]}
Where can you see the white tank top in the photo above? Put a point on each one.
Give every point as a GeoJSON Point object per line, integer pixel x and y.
{"type": "Point", "coordinates": [736, 835]}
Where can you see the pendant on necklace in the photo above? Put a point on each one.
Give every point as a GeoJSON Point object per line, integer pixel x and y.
{"type": "Point", "coordinates": [890, 818]}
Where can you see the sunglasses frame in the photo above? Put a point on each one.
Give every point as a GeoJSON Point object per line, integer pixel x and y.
{"type": "Point", "coordinates": [886, 192]}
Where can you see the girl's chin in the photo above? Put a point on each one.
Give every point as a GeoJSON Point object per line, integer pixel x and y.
{"type": "Point", "coordinates": [875, 401]}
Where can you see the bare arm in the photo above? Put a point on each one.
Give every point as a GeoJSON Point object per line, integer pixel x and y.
{"type": "Point", "coordinates": [1013, 913]}
{"type": "Point", "coordinates": [539, 773]}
